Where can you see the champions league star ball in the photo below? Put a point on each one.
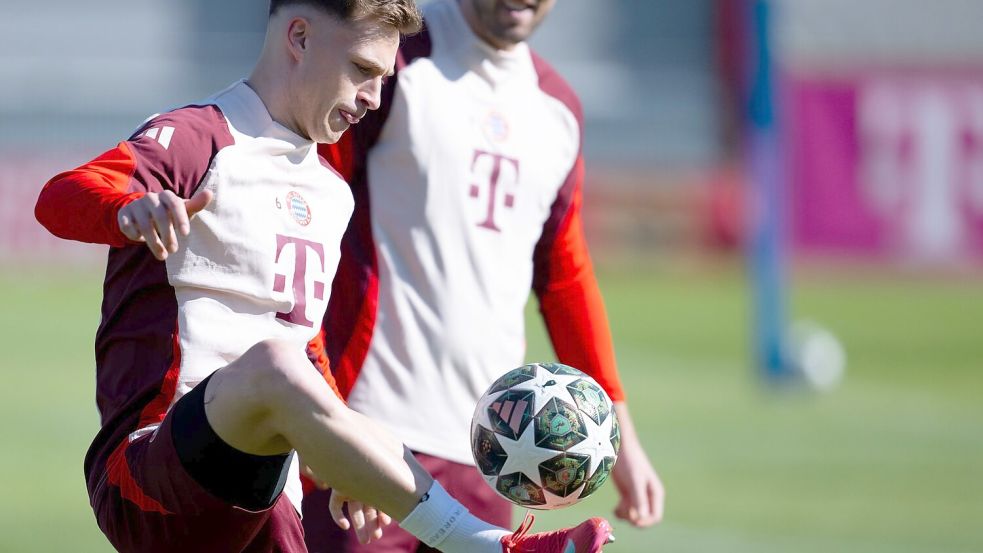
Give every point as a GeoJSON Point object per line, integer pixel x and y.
{"type": "Point", "coordinates": [545, 436]}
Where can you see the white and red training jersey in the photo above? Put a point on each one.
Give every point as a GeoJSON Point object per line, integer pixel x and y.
{"type": "Point", "coordinates": [467, 185]}
{"type": "Point", "coordinates": [257, 264]}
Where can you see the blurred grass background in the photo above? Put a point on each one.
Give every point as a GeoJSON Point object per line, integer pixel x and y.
{"type": "Point", "coordinates": [892, 461]}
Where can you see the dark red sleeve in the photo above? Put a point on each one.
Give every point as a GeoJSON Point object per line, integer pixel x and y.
{"type": "Point", "coordinates": [563, 275]}
{"type": "Point", "coordinates": [170, 152]}
{"type": "Point", "coordinates": [569, 297]}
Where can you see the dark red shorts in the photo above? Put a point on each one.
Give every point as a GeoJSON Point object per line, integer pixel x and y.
{"type": "Point", "coordinates": [147, 502]}
{"type": "Point", "coordinates": [463, 482]}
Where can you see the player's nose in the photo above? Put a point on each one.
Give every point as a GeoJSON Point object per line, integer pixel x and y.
{"type": "Point", "coordinates": [370, 94]}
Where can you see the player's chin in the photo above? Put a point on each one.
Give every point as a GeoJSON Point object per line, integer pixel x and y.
{"type": "Point", "coordinates": [515, 34]}
{"type": "Point", "coordinates": [333, 131]}
{"type": "Point", "coordinates": [330, 138]}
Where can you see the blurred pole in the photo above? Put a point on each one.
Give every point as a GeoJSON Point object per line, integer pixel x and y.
{"type": "Point", "coordinates": [766, 248]}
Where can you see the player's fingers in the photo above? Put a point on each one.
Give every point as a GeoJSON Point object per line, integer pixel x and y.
{"type": "Point", "coordinates": [622, 509]}
{"type": "Point", "coordinates": [635, 505]}
{"type": "Point", "coordinates": [377, 530]}
{"type": "Point", "coordinates": [657, 495]}
{"type": "Point", "coordinates": [146, 214]}
{"type": "Point", "coordinates": [145, 225]}
{"type": "Point", "coordinates": [356, 515]}
{"type": "Point", "coordinates": [642, 506]}
{"type": "Point", "coordinates": [645, 497]}
{"type": "Point", "coordinates": [371, 524]}
{"type": "Point", "coordinates": [371, 516]}
{"type": "Point", "coordinates": [650, 511]}
{"type": "Point", "coordinates": [165, 227]}
{"type": "Point", "coordinates": [176, 212]}
{"type": "Point", "coordinates": [335, 507]}
{"type": "Point", "coordinates": [198, 202]}
{"type": "Point", "coordinates": [384, 519]}
{"type": "Point", "coordinates": [127, 226]}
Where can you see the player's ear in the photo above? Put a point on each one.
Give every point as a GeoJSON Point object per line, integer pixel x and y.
{"type": "Point", "coordinates": [298, 36]}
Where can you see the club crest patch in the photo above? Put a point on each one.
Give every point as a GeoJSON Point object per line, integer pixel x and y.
{"type": "Point", "coordinates": [298, 208]}
{"type": "Point", "coordinates": [496, 127]}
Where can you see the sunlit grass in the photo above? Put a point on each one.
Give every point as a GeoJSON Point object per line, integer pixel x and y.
{"type": "Point", "coordinates": [892, 461]}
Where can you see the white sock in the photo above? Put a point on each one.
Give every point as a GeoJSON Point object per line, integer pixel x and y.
{"type": "Point", "coordinates": [441, 522]}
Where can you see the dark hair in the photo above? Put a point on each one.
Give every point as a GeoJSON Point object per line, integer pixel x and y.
{"type": "Point", "coordinates": [399, 14]}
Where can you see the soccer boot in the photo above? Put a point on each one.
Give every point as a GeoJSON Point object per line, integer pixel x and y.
{"type": "Point", "coordinates": [587, 537]}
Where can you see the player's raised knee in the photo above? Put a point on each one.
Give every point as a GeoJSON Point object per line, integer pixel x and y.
{"type": "Point", "coordinates": [277, 366]}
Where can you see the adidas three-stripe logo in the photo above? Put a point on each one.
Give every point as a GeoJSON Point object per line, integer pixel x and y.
{"type": "Point", "coordinates": [162, 135]}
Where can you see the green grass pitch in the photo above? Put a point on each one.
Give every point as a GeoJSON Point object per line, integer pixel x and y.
{"type": "Point", "coordinates": [892, 461]}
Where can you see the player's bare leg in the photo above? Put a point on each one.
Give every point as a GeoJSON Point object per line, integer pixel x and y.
{"type": "Point", "coordinates": [271, 401]}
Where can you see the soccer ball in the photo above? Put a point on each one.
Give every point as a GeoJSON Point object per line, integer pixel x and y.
{"type": "Point", "coordinates": [545, 436]}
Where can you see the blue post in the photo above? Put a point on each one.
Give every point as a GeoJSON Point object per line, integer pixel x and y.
{"type": "Point", "coordinates": [766, 198]}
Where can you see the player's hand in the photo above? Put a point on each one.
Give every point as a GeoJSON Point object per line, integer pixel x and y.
{"type": "Point", "coordinates": [157, 218]}
{"type": "Point", "coordinates": [367, 521]}
{"type": "Point", "coordinates": [642, 495]}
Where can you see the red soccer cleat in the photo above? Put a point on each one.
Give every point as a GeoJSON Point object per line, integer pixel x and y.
{"type": "Point", "coordinates": [587, 537]}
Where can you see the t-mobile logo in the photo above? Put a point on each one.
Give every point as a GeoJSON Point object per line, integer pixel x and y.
{"type": "Point", "coordinates": [486, 163]}
{"type": "Point", "coordinates": [298, 315]}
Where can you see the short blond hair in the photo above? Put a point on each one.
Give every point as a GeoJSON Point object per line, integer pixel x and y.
{"type": "Point", "coordinates": [402, 15]}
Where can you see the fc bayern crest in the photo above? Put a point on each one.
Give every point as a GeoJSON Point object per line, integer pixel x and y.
{"type": "Point", "coordinates": [496, 127]}
{"type": "Point", "coordinates": [298, 208]}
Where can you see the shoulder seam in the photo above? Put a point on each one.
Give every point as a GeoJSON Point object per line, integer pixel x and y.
{"type": "Point", "coordinates": [554, 85]}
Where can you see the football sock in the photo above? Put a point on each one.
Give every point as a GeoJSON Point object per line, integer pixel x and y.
{"type": "Point", "coordinates": [441, 522]}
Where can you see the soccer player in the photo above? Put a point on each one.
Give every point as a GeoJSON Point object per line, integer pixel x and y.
{"type": "Point", "coordinates": [224, 226]}
{"type": "Point", "coordinates": [468, 188]}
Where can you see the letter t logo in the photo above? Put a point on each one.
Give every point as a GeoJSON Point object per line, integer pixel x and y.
{"type": "Point", "coordinates": [298, 315]}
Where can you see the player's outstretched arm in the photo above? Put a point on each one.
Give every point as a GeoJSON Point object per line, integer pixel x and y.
{"type": "Point", "coordinates": [575, 316]}
{"type": "Point", "coordinates": [573, 310]}
{"type": "Point", "coordinates": [157, 219]}
{"type": "Point", "coordinates": [82, 204]}
{"type": "Point", "coordinates": [146, 178]}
